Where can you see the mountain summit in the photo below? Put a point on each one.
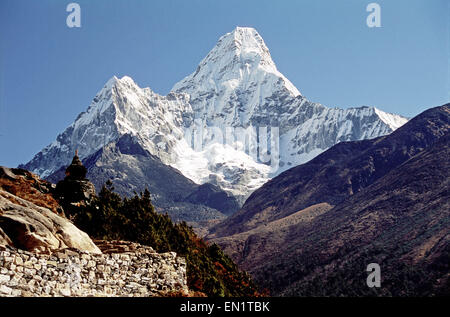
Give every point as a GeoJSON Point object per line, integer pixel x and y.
{"type": "Point", "coordinates": [233, 80]}
{"type": "Point", "coordinates": [237, 86]}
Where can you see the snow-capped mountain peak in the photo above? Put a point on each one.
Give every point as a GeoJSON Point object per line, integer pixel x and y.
{"type": "Point", "coordinates": [235, 79]}
{"type": "Point", "coordinates": [235, 55]}
{"type": "Point", "coordinates": [244, 44]}
{"type": "Point", "coordinates": [394, 121]}
{"type": "Point", "coordinates": [120, 107]}
{"type": "Point", "coordinates": [237, 86]}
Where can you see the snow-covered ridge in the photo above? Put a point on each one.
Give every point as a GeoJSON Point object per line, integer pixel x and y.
{"type": "Point", "coordinates": [120, 107]}
{"type": "Point", "coordinates": [234, 79]}
{"type": "Point", "coordinates": [236, 85]}
{"type": "Point", "coordinates": [394, 121]}
{"type": "Point", "coordinates": [244, 49]}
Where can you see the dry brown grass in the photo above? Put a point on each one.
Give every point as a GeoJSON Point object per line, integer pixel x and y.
{"type": "Point", "coordinates": [26, 189]}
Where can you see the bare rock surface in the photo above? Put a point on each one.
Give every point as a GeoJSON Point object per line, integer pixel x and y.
{"type": "Point", "coordinates": [34, 228]}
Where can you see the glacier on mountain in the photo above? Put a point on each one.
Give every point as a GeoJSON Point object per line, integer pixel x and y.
{"type": "Point", "coordinates": [236, 86]}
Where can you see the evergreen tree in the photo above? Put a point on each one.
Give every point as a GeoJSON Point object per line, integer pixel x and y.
{"type": "Point", "coordinates": [209, 270]}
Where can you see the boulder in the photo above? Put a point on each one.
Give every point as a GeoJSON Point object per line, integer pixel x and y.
{"type": "Point", "coordinates": [31, 227]}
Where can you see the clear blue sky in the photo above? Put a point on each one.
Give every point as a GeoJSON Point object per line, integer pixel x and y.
{"type": "Point", "coordinates": [49, 73]}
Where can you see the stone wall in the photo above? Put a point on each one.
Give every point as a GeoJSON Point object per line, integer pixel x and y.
{"type": "Point", "coordinates": [123, 269]}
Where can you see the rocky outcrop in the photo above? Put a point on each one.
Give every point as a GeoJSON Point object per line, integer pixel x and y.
{"type": "Point", "coordinates": [31, 219]}
{"type": "Point", "coordinates": [44, 254]}
{"type": "Point", "coordinates": [139, 271]}
{"type": "Point", "coordinates": [34, 228]}
{"type": "Point", "coordinates": [30, 187]}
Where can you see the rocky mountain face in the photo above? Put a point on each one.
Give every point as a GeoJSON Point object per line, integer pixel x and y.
{"type": "Point", "coordinates": [313, 229]}
{"type": "Point", "coordinates": [235, 122]}
{"type": "Point", "coordinates": [131, 168]}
